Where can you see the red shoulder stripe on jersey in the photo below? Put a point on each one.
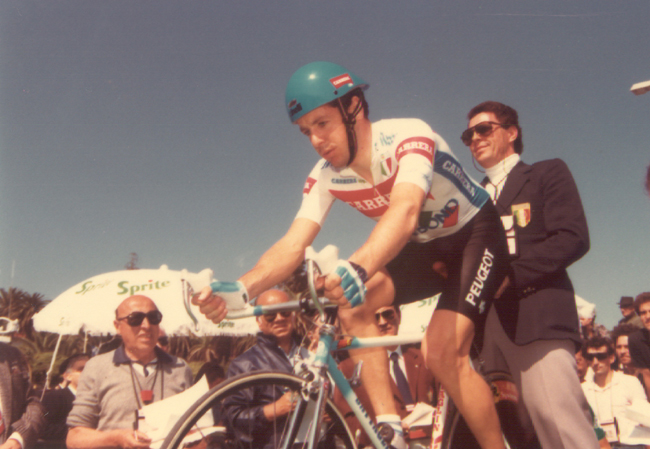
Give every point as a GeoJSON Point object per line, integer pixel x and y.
{"type": "Point", "coordinates": [416, 145]}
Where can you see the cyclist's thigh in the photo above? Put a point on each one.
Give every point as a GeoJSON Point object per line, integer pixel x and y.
{"type": "Point", "coordinates": [476, 275]}
{"type": "Point", "coordinates": [412, 272]}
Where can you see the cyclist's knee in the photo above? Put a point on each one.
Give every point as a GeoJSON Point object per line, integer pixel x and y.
{"type": "Point", "coordinates": [442, 359]}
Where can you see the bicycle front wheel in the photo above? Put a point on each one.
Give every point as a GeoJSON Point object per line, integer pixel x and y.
{"type": "Point", "coordinates": [235, 409]}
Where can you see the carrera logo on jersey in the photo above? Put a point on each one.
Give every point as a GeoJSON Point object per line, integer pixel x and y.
{"type": "Point", "coordinates": [308, 185]}
{"type": "Point", "coordinates": [457, 172]}
{"type": "Point", "coordinates": [446, 218]}
{"type": "Point", "coordinates": [372, 202]}
{"type": "Point", "coordinates": [341, 80]}
{"type": "Point", "coordinates": [416, 145]}
{"type": "Point", "coordinates": [344, 181]}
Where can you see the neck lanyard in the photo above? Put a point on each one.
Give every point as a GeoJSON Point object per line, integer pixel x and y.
{"type": "Point", "coordinates": [146, 396]}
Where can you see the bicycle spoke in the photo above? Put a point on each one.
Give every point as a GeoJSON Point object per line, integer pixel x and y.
{"type": "Point", "coordinates": [240, 424]}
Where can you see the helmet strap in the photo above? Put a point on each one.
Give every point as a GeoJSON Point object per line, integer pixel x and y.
{"type": "Point", "coordinates": [350, 120]}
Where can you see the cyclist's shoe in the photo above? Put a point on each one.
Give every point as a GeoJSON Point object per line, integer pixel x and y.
{"type": "Point", "coordinates": [393, 437]}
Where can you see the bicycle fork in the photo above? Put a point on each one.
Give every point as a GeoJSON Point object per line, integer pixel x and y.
{"type": "Point", "coordinates": [305, 421]}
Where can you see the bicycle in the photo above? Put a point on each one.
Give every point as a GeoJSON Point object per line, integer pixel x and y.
{"type": "Point", "coordinates": [315, 421]}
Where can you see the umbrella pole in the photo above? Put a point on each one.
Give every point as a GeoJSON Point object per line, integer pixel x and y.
{"type": "Point", "coordinates": [86, 342]}
{"type": "Point", "coordinates": [49, 371]}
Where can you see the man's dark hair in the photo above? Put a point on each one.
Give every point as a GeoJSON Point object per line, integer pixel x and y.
{"type": "Point", "coordinates": [346, 100]}
{"type": "Point", "coordinates": [67, 363]}
{"type": "Point", "coordinates": [621, 330]}
{"type": "Point", "coordinates": [642, 298]}
{"type": "Point", "coordinates": [598, 342]}
{"type": "Point", "coordinates": [506, 116]}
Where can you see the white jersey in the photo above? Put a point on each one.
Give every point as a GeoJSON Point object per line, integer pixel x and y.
{"type": "Point", "coordinates": [403, 150]}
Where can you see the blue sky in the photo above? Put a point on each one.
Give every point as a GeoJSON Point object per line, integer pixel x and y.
{"type": "Point", "coordinates": [158, 127]}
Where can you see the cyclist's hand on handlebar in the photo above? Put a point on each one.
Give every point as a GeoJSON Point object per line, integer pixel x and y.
{"type": "Point", "coordinates": [334, 292]}
{"type": "Point", "coordinates": [345, 286]}
{"type": "Point", "coordinates": [211, 305]}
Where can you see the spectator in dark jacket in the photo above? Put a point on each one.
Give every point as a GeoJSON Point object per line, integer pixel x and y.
{"type": "Point", "coordinates": [276, 350]}
{"type": "Point", "coordinates": [21, 413]}
{"type": "Point", "coordinates": [626, 304]}
{"type": "Point", "coordinates": [58, 402]}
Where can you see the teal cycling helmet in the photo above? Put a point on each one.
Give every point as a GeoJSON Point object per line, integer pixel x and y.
{"type": "Point", "coordinates": [319, 83]}
{"type": "Point", "coordinates": [316, 84]}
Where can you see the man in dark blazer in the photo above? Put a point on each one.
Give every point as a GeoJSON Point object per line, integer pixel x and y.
{"type": "Point", "coordinates": [421, 384]}
{"type": "Point", "coordinates": [533, 328]}
{"type": "Point", "coordinates": [22, 414]}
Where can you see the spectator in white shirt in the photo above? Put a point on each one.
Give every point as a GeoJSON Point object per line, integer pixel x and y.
{"type": "Point", "coordinates": [610, 392]}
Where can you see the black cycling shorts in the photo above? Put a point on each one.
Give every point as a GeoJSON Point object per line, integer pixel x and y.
{"type": "Point", "coordinates": [476, 262]}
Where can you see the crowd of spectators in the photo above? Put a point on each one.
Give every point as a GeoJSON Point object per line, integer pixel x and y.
{"type": "Point", "coordinates": [614, 367]}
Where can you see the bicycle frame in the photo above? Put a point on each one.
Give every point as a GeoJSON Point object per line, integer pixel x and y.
{"type": "Point", "coordinates": [325, 368]}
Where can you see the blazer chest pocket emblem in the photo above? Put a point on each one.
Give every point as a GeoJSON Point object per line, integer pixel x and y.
{"type": "Point", "coordinates": [521, 213]}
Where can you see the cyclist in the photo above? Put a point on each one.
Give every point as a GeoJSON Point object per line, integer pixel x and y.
{"type": "Point", "coordinates": [436, 232]}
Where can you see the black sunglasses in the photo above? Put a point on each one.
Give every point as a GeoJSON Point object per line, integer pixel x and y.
{"type": "Point", "coordinates": [601, 356]}
{"type": "Point", "coordinates": [270, 317]}
{"type": "Point", "coordinates": [388, 315]}
{"type": "Point", "coordinates": [136, 318]}
{"type": "Point", "coordinates": [483, 129]}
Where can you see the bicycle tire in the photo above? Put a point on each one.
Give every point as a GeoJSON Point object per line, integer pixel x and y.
{"type": "Point", "coordinates": [456, 434]}
{"type": "Point", "coordinates": [334, 430]}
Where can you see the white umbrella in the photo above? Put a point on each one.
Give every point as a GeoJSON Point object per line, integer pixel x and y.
{"type": "Point", "coordinates": [90, 305]}
{"type": "Point", "coordinates": [416, 316]}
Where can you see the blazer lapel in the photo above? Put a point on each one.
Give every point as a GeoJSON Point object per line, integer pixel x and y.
{"type": "Point", "coordinates": [517, 178]}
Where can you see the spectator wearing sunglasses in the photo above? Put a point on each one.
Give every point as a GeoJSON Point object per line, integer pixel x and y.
{"type": "Point", "coordinates": [411, 382]}
{"type": "Point", "coordinates": [114, 385]}
{"type": "Point", "coordinates": [276, 349]}
{"type": "Point", "coordinates": [610, 391]}
{"type": "Point", "coordinates": [533, 328]}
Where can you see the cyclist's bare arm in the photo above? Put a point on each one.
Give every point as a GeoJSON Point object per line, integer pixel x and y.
{"type": "Point", "coordinates": [282, 258]}
{"type": "Point", "coordinates": [389, 235]}
{"type": "Point", "coordinates": [393, 230]}
{"type": "Point", "coordinates": [275, 265]}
